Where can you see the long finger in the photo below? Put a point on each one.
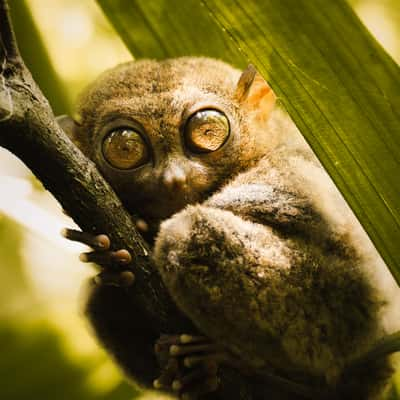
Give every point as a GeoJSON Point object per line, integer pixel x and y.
{"type": "Point", "coordinates": [122, 257]}
{"type": "Point", "coordinates": [167, 375]}
{"type": "Point", "coordinates": [119, 279]}
{"type": "Point", "coordinates": [97, 242]}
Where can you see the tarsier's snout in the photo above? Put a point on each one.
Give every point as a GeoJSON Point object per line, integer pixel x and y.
{"type": "Point", "coordinates": [174, 177]}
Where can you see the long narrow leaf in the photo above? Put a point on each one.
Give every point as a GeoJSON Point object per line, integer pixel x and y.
{"type": "Point", "coordinates": [339, 86]}
{"type": "Point", "coordinates": [162, 28]}
{"type": "Point", "coordinates": [36, 57]}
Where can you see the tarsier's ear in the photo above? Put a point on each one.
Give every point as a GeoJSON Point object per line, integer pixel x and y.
{"type": "Point", "coordinates": [70, 127]}
{"type": "Point", "coordinates": [254, 93]}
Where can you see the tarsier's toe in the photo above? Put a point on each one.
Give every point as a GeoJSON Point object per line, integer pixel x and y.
{"type": "Point", "coordinates": [189, 365]}
{"type": "Point", "coordinates": [115, 278]}
{"type": "Point", "coordinates": [188, 383]}
{"type": "Point", "coordinates": [110, 261]}
{"type": "Point", "coordinates": [168, 373]}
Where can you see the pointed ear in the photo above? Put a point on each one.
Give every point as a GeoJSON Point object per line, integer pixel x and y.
{"type": "Point", "coordinates": [254, 93]}
{"type": "Point", "coordinates": [70, 127]}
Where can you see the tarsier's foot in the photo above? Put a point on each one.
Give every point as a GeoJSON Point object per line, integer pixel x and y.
{"type": "Point", "coordinates": [112, 262]}
{"type": "Point", "coordinates": [189, 365]}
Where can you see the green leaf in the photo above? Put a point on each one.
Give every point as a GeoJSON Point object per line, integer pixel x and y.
{"type": "Point", "coordinates": [161, 28]}
{"type": "Point", "coordinates": [36, 57]}
{"type": "Point", "coordinates": [339, 86]}
{"type": "Point", "coordinates": [34, 365]}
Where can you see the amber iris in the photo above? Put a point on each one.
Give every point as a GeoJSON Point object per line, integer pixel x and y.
{"type": "Point", "coordinates": [206, 131]}
{"type": "Point", "coordinates": [125, 148]}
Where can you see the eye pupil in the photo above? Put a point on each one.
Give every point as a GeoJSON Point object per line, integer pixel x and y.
{"type": "Point", "coordinates": [206, 131]}
{"type": "Point", "coordinates": [128, 146]}
{"type": "Point", "coordinates": [125, 149]}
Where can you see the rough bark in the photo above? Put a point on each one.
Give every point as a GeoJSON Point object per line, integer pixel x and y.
{"type": "Point", "coordinates": [28, 129]}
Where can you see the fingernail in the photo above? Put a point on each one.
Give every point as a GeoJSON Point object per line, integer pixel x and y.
{"type": "Point", "coordinates": [83, 257]}
{"type": "Point", "coordinates": [126, 278]}
{"type": "Point", "coordinates": [157, 384]}
{"type": "Point", "coordinates": [102, 241]}
{"type": "Point", "coordinates": [123, 256]}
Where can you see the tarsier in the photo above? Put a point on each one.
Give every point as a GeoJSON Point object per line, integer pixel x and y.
{"type": "Point", "coordinates": [252, 239]}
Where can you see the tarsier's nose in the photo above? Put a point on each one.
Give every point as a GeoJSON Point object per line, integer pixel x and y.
{"type": "Point", "coordinates": [174, 177]}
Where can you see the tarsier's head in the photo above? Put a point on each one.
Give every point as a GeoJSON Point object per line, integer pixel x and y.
{"type": "Point", "coordinates": [169, 133]}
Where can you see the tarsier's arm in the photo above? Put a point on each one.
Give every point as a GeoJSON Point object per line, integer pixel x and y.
{"type": "Point", "coordinates": [245, 268]}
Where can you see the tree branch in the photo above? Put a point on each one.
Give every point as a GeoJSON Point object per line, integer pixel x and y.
{"type": "Point", "coordinates": [28, 129]}
{"type": "Point", "coordinates": [31, 133]}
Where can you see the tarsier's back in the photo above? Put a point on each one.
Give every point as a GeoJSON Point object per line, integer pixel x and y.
{"type": "Point", "coordinates": [251, 238]}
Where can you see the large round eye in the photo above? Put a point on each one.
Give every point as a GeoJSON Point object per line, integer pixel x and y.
{"type": "Point", "coordinates": [206, 131]}
{"type": "Point", "coordinates": [125, 148]}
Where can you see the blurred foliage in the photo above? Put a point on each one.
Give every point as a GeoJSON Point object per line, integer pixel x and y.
{"type": "Point", "coordinates": [79, 39]}
{"type": "Point", "coordinates": [35, 56]}
{"type": "Point", "coordinates": [37, 359]}
{"type": "Point", "coordinates": [382, 17]}
{"type": "Point", "coordinates": [33, 365]}
{"type": "Point", "coordinates": [393, 393]}
{"type": "Point", "coordinates": [12, 275]}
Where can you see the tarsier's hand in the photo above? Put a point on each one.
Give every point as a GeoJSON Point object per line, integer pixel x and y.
{"type": "Point", "coordinates": [189, 365]}
{"type": "Point", "coordinates": [112, 263]}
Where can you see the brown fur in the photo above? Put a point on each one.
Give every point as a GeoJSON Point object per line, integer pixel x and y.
{"type": "Point", "coordinates": [257, 246]}
{"type": "Point", "coordinates": [158, 96]}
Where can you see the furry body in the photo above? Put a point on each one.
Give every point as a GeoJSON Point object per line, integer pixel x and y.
{"type": "Point", "coordinates": [256, 245]}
